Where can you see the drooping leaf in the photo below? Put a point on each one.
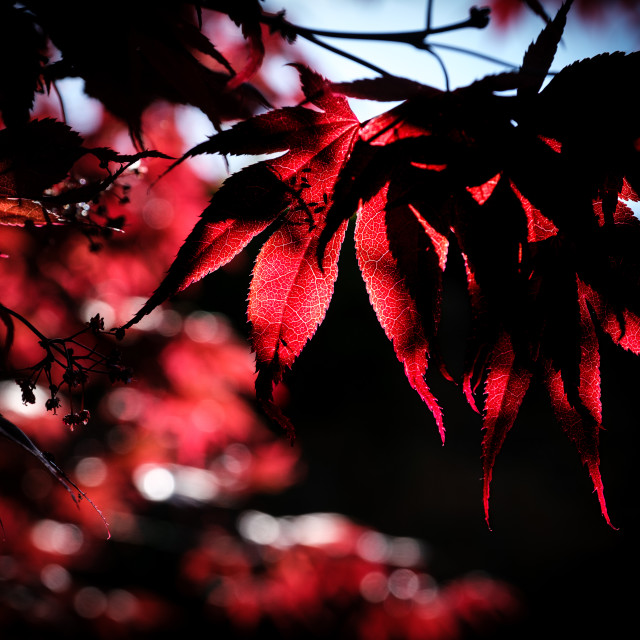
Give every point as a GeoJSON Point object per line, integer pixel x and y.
{"type": "Point", "coordinates": [39, 155]}
{"type": "Point", "coordinates": [385, 89]}
{"type": "Point", "coordinates": [20, 211]}
{"type": "Point", "coordinates": [36, 156]}
{"type": "Point", "coordinates": [389, 292]}
{"type": "Point", "coordinates": [599, 142]}
{"type": "Point", "coordinates": [24, 45]}
{"type": "Point", "coordinates": [248, 202]}
{"type": "Point", "coordinates": [538, 9]}
{"type": "Point", "coordinates": [289, 296]}
{"type": "Point", "coordinates": [246, 14]}
{"type": "Point", "coordinates": [538, 227]}
{"type": "Point", "coordinates": [505, 388]}
{"type": "Point", "coordinates": [493, 237]}
{"type": "Point", "coordinates": [623, 329]}
{"type": "Point", "coordinates": [582, 421]}
{"type": "Point", "coordinates": [13, 433]}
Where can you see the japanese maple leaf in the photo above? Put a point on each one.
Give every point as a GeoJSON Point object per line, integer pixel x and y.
{"type": "Point", "coordinates": [290, 290]}
{"type": "Point", "coordinates": [246, 14]}
{"type": "Point", "coordinates": [402, 256]}
{"type": "Point", "coordinates": [577, 266]}
{"type": "Point", "coordinates": [294, 274]}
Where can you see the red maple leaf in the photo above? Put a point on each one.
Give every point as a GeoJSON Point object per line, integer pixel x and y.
{"type": "Point", "coordinates": [290, 290]}
{"type": "Point", "coordinates": [388, 283]}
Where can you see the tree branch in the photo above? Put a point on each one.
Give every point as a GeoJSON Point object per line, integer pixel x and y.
{"type": "Point", "coordinates": [478, 19]}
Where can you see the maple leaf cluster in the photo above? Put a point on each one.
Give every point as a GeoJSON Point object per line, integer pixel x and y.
{"type": "Point", "coordinates": [517, 182]}
{"type": "Point", "coordinates": [174, 459]}
{"type": "Point", "coordinates": [528, 189]}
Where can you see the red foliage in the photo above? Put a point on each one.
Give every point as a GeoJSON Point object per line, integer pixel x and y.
{"type": "Point", "coordinates": [505, 12]}
{"type": "Point", "coordinates": [527, 191]}
{"type": "Point", "coordinates": [467, 168]}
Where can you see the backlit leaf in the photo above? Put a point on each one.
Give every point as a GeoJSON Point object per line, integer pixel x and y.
{"type": "Point", "coordinates": [505, 388]}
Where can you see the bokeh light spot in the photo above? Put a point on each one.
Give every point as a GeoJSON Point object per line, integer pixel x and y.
{"type": "Point", "coordinates": [125, 404]}
{"type": "Point", "coordinates": [202, 326]}
{"type": "Point", "coordinates": [373, 546]}
{"type": "Point", "coordinates": [56, 537]}
{"type": "Point", "coordinates": [158, 213]}
{"type": "Point", "coordinates": [91, 471]}
{"type": "Point", "coordinates": [374, 586]}
{"type": "Point", "coordinates": [404, 552]}
{"type": "Point", "coordinates": [403, 584]}
{"type": "Point", "coordinates": [258, 527]}
{"type": "Point", "coordinates": [154, 482]}
{"type": "Point", "coordinates": [55, 577]}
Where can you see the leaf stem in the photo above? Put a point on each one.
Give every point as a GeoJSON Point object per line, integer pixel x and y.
{"type": "Point", "coordinates": [476, 54]}
{"type": "Point", "coordinates": [447, 84]}
{"type": "Point", "coordinates": [345, 54]}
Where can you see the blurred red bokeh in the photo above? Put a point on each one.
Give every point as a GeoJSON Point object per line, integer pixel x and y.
{"type": "Point", "coordinates": [506, 12]}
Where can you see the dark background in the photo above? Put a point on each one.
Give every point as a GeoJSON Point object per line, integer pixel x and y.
{"type": "Point", "coordinates": [372, 452]}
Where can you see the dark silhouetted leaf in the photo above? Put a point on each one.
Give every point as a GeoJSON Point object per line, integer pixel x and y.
{"type": "Point", "coordinates": [16, 435]}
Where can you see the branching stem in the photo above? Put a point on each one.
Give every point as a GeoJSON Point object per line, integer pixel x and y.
{"type": "Point", "coordinates": [476, 54]}
{"type": "Point", "coordinates": [478, 19]}
{"type": "Point", "coordinates": [75, 366]}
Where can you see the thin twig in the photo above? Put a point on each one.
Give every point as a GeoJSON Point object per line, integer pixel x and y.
{"type": "Point", "coordinates": [427, 47]}
{"type": "Point", "coordinates": [346, 54]}
{"type": "Point", "coordinates": [477, 54]}
{"type": "Point", "coordinates": [60, 100]}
